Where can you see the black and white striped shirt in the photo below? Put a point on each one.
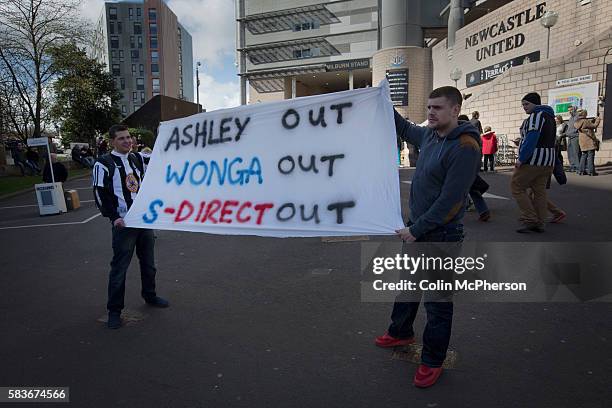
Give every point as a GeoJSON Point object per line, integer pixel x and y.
{"type": "Point", "coordinates": [543, 124]}
{"type": "Point", "coordinates": [116, 188]}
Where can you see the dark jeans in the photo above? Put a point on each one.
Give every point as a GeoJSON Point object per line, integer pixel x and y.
{"type": "Point", "coordinates": [489, 161]}
{"type": "Point", "coordinates": [124, 241]}
{"type": "Point", "coordinates": [436, 335]}
{"type": "Point", "coordinates": [573, 154]}
{"type": "Point", "coordinates": [479, 202]}
{"type": "Point", "coordinates": [587, 162]}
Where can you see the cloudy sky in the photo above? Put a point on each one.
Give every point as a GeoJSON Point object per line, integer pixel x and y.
{"type": "Point", "coordinates": [212, 27]}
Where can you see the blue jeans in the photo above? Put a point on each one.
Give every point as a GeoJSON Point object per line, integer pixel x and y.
{"type": "Point", "coordinates": [573, 153]}
{"type": "Point", "coordinates": [587, 162]}
{"type": "Point", "coordinates": [479, 202]}
{"type": "Point", "coordinates": [436, 335]}
{"type": "Point", "coordinates": [125, 240]}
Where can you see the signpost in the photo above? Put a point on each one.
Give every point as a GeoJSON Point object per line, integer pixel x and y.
{"type": "Point", "coordinates": [50, 196]}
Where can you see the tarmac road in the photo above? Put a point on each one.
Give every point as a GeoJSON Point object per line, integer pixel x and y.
{"type": "Point", "coordinates": [258, 322]}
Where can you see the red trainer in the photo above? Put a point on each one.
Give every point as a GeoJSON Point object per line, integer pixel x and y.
{"type": "Point", "coordinates": [387, 341]}
{"type": "Point", "coordinates": [558, 218]}
{"type": "Point", "coordinates": [426, 376]}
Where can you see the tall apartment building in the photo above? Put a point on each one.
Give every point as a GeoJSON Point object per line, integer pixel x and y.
{"type": "Point", "coordinates": [303, 47]}
{"type": "Point", "coordinates": [147, 51]}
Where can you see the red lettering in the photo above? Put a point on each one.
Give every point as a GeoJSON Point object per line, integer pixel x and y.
{"type": "Point", "coordinates": [169, 210]}
{"type": "Point", "coordinates": [202, 205]}
{"type": "Point", "coordinates": [212, 208]}
{"type": "Point", "coordinates": [179, 217]}
{"type": "Point", "coordinates": [239, 218]}
{"type": "Point", "coordinates": [226, 211]}
{"type": "Point", "coordinates": [262, 208]}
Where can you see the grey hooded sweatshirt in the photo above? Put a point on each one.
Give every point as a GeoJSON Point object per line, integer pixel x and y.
{"type": "Point", "coordinates": [445, 170]}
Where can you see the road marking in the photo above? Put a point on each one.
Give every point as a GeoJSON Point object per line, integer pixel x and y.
{"type": "Point", "coordinates": [52, 225]}
{"type": "Point", "coordinates": [486, 195]}
{"type": "Point", "coordinates": [35, 205]}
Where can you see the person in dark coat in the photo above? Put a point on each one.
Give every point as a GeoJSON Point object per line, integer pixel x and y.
{"type": "Point", "coordinates": [59, 171]}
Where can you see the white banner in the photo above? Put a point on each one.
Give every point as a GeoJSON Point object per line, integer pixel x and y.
{"type": "Point", "coordinates": [322, 165]}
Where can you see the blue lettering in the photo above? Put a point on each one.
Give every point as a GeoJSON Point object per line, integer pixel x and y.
{"type": "Point", "coordinates": [240, 179]}
{"type": "Point", "coordinates": [193, 180]}
{"type": "Point", "coordinates": [171, 174]}
{"type": "Point", "coordinates": [255, 170]}
{"type": "Point", "coordinates": [220, 176]}
{"type": "Point", "coordinates": [153, 210]}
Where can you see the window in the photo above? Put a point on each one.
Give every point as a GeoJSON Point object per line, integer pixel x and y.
{"type": "Point", "coordinates": [114, 41]}
{"type": "Point", "coordinates": [131, 13]}
{"type": "Point", "coordinates": [121, 56]}
{"type": "Point", "coordinates": [141, 69]}
{"type": "Point", "coordinates": [132, 42]}
{"type": "Point", "coordinates": [155, 93]}
{"type": "Point", "coordinates": [136, 107]}
{"type": "Point", "coordinates": [306, 53]}
{"type": "Point", "coordinates": [137, 28]}
{"type": "Point", "coordinates": [123, 109]}
{"type": "Point", "coordinates": [135, 96]}
{"type": "Point", "coordinates": [155, 69]}
{"type": "Point", "coordinates": [116, 69]}
{"type": "Point", "coordinates": [139, 41]}
{"type": "Point", "coordinates": [154, 56]}
{"type": "Point", "coordinates": [309, 25]}
{"type": "Point", "coordinates": [140, 84]}
{"type": "Point", "coordinates": [111, 27]}
{"type": "Point", "coordinates": [113, 54]}
{"type": "Point", "coordinates": [155, 84]}
{"type": "Point", "coordinates": [135, 54]}
{"type": "Point", "coordinates": [142, 97]}
{"type": "Point", "coordinates": [133, 69]}
{"type": "Point", "coordinates": [112, 13]}
{"type": "Point", "coordinates": [119, 27]}
{"type": "Point", "coordinates": [153, 28]}
{"type": "Point", "coordinates": [139, 12]}
{"type": "Point", "coordinates": [152, 14]}
{"type": "Point", "coordinates": [122, 84]}
{"type": "Point", "coordinates": [153, 41]}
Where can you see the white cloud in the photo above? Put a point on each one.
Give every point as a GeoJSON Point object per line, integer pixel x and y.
{"type": "Point", "coordinates": [217, 95]}
{"type": "Point", "coordinates": [212, 26]}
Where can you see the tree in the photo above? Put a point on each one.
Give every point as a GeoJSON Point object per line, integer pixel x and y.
{"type": "Point", "coordinates": [85, 95]}
{"type": "Point", "coordinates": [28, 30]}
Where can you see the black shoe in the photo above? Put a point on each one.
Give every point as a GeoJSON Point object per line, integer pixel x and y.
{"type": "Point", "coordinates": [580, 173]}
{"type": "Point", "coordinates": [593, 174]}
{"type": "Point", "coordinates": [114, 320]}
{"type": "Point", "coordinates": [157, 302]}
{"type": "Point", "coordinates": [530, 228]}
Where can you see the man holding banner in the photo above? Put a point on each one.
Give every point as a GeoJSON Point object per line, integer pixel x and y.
{"type": "Point", "coordinates": [448, 163]}
{"type": "Point", "coordinates": [116, 179]}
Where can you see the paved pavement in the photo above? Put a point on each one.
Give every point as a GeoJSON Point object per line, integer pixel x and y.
{"type": "Point", "coordinates": [259, 322]}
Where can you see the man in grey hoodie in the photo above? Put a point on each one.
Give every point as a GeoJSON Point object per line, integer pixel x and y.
{"type": "Point", "coordinates": [448, 163]}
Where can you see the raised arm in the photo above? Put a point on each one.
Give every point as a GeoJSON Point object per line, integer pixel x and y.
{"type": "Point", "coordinates": [408, 131]}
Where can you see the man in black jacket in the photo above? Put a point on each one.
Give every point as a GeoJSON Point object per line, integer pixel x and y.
{"type": "Point", "coordinates": [116, 179]}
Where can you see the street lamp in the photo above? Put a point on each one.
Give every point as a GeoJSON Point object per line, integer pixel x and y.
{"type": "Point", "coordinates": [548, 20]}
{"type": "Point", "coordinates": [455, 75]}
{"type": "Point", "coordinates": [199, 64]}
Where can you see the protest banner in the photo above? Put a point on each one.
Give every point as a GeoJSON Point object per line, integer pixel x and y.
{"type": "Point", "coordinates": [321, 165]}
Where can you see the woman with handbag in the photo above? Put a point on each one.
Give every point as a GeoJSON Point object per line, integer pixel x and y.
{"type": "Point", "coordinates": [588, 142]}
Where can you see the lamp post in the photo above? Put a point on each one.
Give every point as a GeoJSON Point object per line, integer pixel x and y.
{"type": "Point", "coordinates": [198, 85]}
{"type": "Point", "coordinates": [455, 75]}
{"type": "Point", "coordinates": [548, 20]}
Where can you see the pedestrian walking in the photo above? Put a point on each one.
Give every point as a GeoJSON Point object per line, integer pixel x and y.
{"type": "Point", "coordinates": [588, 142]}
{"type": "Point", "coordinates": [535, 163]}
{"type": "Point", "coordinates": [489, 148]}
{"type": "Point", "coordinates": [573, 144]}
